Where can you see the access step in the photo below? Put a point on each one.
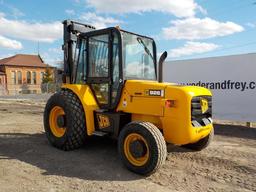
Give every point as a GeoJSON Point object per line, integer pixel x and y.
{"type": "Point", "coordinates": [100, 133]}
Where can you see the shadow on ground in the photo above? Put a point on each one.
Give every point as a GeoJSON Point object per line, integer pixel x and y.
{"type": "Point", "coordinates": [235, 131]}
{"type": "Point", "coordinates": [98, 160]}
{"type": "Point", "coordinates": [223, 130]}
{"type": "Point", "coordinates": [177, 149]}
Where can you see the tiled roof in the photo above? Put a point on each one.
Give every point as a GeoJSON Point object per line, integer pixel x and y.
{"type": "Point", "coordinates": [24, 60]}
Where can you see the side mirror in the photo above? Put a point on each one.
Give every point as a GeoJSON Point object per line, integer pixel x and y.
{"type": "Point", "coordinates": [160, 66]}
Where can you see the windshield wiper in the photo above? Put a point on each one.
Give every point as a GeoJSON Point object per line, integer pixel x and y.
{"type": "Point", "coordinates": [145, 47]}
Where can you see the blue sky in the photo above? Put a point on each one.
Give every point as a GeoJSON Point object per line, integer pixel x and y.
{"type": "Point", "coordinates": [185, 28]}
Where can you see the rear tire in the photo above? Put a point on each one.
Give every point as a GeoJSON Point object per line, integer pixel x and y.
{"type": "Point", "coordinates": [71, 134]}
{"type": "Point", "coordinates": [202, 143]}
{"type": "Point", "coordinates": [142, 147]}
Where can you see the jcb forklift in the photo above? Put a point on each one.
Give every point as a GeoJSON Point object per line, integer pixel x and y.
{"type": "Point", "coordinates": [111, 87]}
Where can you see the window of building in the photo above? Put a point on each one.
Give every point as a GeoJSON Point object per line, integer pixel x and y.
{"type": "Point", "coordinates": [0, 81]}
{"type": "Point", "coordinates": [19, 77]}
{"type": "Point", "coordinates": [13, 77]}
{"type": "Point", "coordinates": [28, 77]}
{"type": "Point", "coordinates": [34, 77]}
{"type": "Point", "coordinates": [41, 76]}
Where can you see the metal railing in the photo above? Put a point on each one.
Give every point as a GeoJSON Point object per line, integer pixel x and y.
{"type": "Point", "coordinates": [50, 87]}
{"type": "Point", "coordinates": [17, 89]}
{"type": "Point", "coordinates": [3, 90]}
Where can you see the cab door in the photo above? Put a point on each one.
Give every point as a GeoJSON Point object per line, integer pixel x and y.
{"type": "Point", "coordinates": [103, 67]}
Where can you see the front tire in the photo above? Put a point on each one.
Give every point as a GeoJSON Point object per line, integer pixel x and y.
{"type": "Point", "coordinates": [142, 147]}
{"type": "Point", "coordinates": [64, 121]}
{"type": "Point", "coordinates": [202, 143]}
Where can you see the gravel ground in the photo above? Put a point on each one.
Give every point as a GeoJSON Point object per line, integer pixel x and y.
{"type": "Point", "coordinates": [29, 163]}
{"type": "Point", "coordinates": [33, 98]}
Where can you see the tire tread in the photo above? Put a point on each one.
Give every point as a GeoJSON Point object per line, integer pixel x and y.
{"type": "Point", "coordinates": [159, 148]}
{"type": "Point", "coordinates": [76, 133]}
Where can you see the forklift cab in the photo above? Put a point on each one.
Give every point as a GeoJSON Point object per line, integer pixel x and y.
{"type": "Point", "coordinates": [106, 58]}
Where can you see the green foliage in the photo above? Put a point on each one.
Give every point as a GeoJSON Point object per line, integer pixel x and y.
{"type": "Point", "coordinates": [47, 78]}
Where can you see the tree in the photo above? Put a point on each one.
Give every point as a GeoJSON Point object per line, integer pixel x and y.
{"type": "Point", "coordinates": [47, 78]}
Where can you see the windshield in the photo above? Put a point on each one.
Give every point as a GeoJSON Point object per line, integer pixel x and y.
{"type": "Point", "coordinates": [138, 54]}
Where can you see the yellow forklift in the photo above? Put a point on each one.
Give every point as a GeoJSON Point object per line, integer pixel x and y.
{"type": "Point", "coordinates": [112, 86]}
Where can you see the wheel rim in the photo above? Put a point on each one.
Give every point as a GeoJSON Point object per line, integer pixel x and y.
{"type": "Point", "coordinates": [136, 141]}
{"type": "Point", "coordinates": [56, 129]}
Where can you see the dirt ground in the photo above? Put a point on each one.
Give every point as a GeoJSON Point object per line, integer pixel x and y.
{"type": "Point", "coordinates": [29, 163]}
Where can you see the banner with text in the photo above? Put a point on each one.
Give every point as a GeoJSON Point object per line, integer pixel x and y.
{"type": "Point", "coordinates": [232, 80]}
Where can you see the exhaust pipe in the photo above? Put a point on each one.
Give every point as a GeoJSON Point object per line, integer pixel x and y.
{"type": "Point", "coordinates": [160, 66]}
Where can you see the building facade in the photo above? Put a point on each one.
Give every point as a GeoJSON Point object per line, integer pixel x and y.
{"type": "Point", "coordinates": [22, 74]}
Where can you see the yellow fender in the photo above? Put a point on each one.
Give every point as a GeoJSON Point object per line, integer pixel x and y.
{"type": "Point", "coordinates": [88, 101]}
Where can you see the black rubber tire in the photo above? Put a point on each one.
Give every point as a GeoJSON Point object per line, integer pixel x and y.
{"type": "Point", "coordinates": [202, 143]}
{"type": "Point", "coordinates": [156, 144]}
{"type": "Point", "coordinates": [75, 134]}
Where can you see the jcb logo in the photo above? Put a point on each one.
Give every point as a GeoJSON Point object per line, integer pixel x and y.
{"type": "Point", "coordinates": [204, 105]}
{"type": "Point", "coordinates": [103, 121]}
